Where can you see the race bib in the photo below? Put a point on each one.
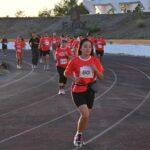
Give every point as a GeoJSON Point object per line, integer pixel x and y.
{"type": "Point", "coordinates": [99, 46]}
{"type": "Point", "coordinates": [54, 42]}
{"type": "Point", "coordinates": [86, 72]}
{"type": "Point", "coordinates": [46, 43]}
{"type": "Point", "coordinates": [63, 61]}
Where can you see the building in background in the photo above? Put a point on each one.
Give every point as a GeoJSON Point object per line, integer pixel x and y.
{"type": "Point", "coordinates": [115, 6]}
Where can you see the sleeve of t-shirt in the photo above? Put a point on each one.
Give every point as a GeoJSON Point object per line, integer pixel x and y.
{"type": "Point", "coordinates": [41, 40]}
{"type": "Point", "coordinates": [56, 53]}
{"type": "Point", "coordinates": [70, 67]}
{"type": "Point", "coordinates": [104, 42]}
{"type": "Point", "coordinates": [99, 66]}
{"type": "Point", "coordinates": [69, 52]}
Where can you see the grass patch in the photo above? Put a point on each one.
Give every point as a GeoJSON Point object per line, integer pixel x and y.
{"type": "Point", "coordinates": [140, 23]}
{"type": "Point", "coordinates": [94, 28]}
{"type": "Point", "coordinates": [3, 71]}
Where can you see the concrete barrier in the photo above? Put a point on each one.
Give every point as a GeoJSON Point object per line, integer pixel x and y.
{"type": "Point", "coordinates": [126, 49]}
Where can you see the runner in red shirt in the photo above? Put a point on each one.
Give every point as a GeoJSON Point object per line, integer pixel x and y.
{"type": "Point", "coordinates": [99, 46]}
{"type": "Point", "coordinates": [83, 70]}
{"type": "Point", "coordinates": [63, 55]}
{"type": "Point", "coordinates": [92, 39]}
{"type": "Point", "coordinates": [69, 43]}
{"type": "Point", "coordinates": [19, 45]}
{"type": "Point", "coordinates": [75, 46]}
{"type": "Point", "coordinates": [45, 43]}
{"type": "Point", "coordinates": [55, 41]}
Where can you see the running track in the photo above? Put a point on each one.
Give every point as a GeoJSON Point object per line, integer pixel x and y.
{"type": "Point", "coordinates": [34, 117]}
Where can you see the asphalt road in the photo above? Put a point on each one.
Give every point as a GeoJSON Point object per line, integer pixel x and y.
{"type": "Point", "coordinates": [34, 117]}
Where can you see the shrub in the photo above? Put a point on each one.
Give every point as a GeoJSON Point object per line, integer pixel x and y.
{"type": "Point", "coordinates": [94, 29]}
{"type": "Point", "coordinates": [140, 23]}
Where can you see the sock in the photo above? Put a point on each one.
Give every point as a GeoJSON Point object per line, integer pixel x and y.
{"type": "Point", "coordinates": [79, 133]}
{"type": "Point", "coordinates": [61, 87]}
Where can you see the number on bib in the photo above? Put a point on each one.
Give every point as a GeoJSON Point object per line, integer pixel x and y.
{"type": "Point", "coordinates": [99, 46]}
{"type": "Point", "coordinates": [86, 72]}
{"type": "Point", "coordinates": [63, 61]}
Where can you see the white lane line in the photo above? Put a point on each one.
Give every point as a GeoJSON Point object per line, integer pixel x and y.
{"type": "Point", "coordinates": [113, 84]}
{"type": "Point", "coordinates": [126, 116]}
{"type": "Point", "coordinates": [131, 85]}
{"type": "Point", "coordinates": [32, 104]}
{"type": "Point", "coordinates": [14, 81]}
{"type": "Point", "coordinates": [139, 70]}
{"type": "Point", "coordinates": [36, 103]}
{"type": "Point", "coordinates": [28, 89]}
{"type": "Point", "coordinates": [136, 95]}
{"type": "Point", "coordinates": [118, 122]}
{"type": "Point", "coordinates": [41, 125]}
{"type": "Point", "coordinates": [60, 117]}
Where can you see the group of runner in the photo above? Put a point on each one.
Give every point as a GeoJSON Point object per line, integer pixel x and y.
{"type": "Point", "coordinates": [63, 49]}
{"type": "Point", "coordinates": [75, 60]}
{"type": "Point", "coordinates": [43, 45]}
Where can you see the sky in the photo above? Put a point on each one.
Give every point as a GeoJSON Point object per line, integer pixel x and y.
{"type": "Point", "coordinates": [30, 7]}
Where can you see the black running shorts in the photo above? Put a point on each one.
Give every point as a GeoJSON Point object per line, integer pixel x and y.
{"type": "Point", "coordinates": [46, 53]}
{"type": "Point", "coordinates": [83, 98]}
{"type": "Point", "coordinates": [101, 53]}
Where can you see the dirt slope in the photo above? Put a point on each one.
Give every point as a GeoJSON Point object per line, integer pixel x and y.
{"type": "Point", "coordinates": [119, 26]}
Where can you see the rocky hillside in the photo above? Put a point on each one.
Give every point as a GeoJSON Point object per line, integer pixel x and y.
{"type": "Point", "coordinates": [118, 26]}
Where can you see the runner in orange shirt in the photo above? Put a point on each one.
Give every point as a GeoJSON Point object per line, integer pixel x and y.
{"type": "Point", "coordinates": [19, 45]}
{"type": "Point", "coordinates": [99, 46]}
{"type": "Point", "coordinates": [63, 55]}
{"type": "Point", "coordinates": [55, 41]}
{"type": "Point", "coordinates": [75, 46]}
{"type": "Point", "coordinates": [92, 39]}
{"type": "Point", "coordinates": [83, 70]}
{"type": "Point", "coordinates": [45, 43]}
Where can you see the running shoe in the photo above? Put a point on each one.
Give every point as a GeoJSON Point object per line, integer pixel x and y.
{"type": "Point", "coordinates": [60, 92]}
{"type": "Point", "coordinates": [44, 67]}
{"type": "Point", "coordinates": [17, 66]}
{"type": "Point", "coordinates": [47, 67]}
{"type": "Point", "coordinates": [63, 91]}
{"type": "Point", "coordinates": [78, 140]}
{"type": "Point", "coordinates": [32, 66]}
{"type": "Point", "coordinates": [41, 60]}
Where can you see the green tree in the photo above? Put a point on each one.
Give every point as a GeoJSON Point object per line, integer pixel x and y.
{"type": "Point", "coordinates": [45, 13]}
{"type": "Point", "coordinates": [138, 9]}
{"type": "Point", "coordinates": [20, 13]}
{"type": "Point", "coordinates": [63, 8]}
{"type": "Point", "coordinates": [82, 9]}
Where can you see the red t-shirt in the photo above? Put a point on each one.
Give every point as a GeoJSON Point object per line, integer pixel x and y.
{"type": "Point", "coordinates": [45, 43]}
{"type": "Point", "coordinates": [19, 45]}
{"type": "Point", "coordinates": [69, 43]}
{"type": "Point", "coordinates": [92, 39]}
{"type": "Point", "coordinates": [75, 43]}
{"type": "Point", "coordinates": [100, 43]}
{"type": "Point", "coordinates": [55, 40]}
{"type": "Point", "coordinates": [81, 68]}
{"type": "Point", "coordinates": [62, 56]}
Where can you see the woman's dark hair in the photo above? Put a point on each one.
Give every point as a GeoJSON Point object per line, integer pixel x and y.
{"type": "Point", "coordinates": [81, 43]}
